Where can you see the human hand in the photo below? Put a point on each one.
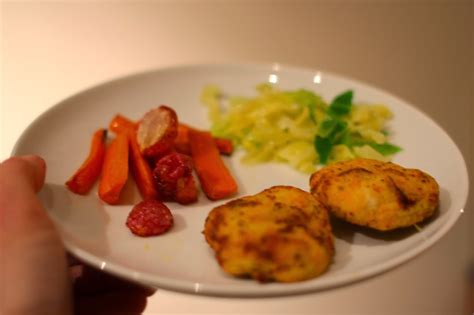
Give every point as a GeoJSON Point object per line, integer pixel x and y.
{"type": "Point", "coordinates": [34, 269]}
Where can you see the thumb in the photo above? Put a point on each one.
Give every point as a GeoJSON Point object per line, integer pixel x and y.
{"type": "Point", "coordinates": [27, 170]}
{"type": "Point", "coordinates": [35, 265]}
{"type": "Point", "coordinates": [20, 179]}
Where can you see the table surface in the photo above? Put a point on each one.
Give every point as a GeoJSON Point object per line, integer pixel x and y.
{"type": "Point", "coordinates": [421, 51]}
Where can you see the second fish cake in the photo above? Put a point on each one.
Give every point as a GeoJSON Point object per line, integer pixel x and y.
{"type": "Point", "coordinates": [380, 195]}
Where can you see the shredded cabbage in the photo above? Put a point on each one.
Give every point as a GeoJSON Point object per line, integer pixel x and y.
{"type": "Point", "coordinates": [298, 127]}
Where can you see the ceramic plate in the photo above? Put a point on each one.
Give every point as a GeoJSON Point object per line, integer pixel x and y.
{"type": "Point", "coordinates": [181, 260]}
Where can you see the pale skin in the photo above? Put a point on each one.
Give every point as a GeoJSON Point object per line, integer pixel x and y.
{"type": "Point", "coordinates": [36, 274]}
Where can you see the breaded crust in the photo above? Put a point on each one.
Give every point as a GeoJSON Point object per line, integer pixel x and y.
{"type": "Point", "coordinates": [380, 195]}
{"type": "Point", "coordinates": [281, 234]}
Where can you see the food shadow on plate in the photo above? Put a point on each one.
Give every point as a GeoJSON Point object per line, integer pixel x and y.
{"type": "Point", "coordinates": [130, 195]}
{"type": "Point", "coordinates": [80, 218]}
{"type": "Point", "coordinates": [228, 161]}
{"type": "Point", "coordinates": [444, 201]}
{"type": "Point", "coordinates": [342, 257]}
{"type": "Point", "coordinates": [179, 224]}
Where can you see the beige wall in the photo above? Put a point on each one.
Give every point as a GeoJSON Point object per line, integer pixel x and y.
{"type": "Point", "coordinates": [421, 51]}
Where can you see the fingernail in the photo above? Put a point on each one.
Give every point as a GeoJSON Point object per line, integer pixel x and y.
{"type": "Point", "coordinates": [34, 159]}
{"type": "Point", "coordinates": [39, 166]}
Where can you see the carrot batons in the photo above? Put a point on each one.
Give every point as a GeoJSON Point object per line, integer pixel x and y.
{"type": "Point", "coordinates": [216, 180]}
{"type": "Point", "coordinates": [114, 170]}
{"type": "Point", "coordinates": [181, 143]}
{"type": "Point", "coordinates": [224, 146]}
{"type": "Point", "coordinates": [121, 123]}
{"type": "Point", "coordinates": [85, 177]}
{"type": "Point", "coordinates": [141, 171]}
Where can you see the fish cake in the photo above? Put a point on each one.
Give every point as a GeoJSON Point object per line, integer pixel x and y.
{"type": "Point", "coordinates": [280, 234]}
{"type": "Point", "coordinates": [380, 195]}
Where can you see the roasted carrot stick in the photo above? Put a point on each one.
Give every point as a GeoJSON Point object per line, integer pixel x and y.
{"type": "Point", "coordinates": [181, 143]}
{"type": "Point", "coordinates": [141, 171]}
{"type": "Point", "coordinates": [224, 146]}
{"type": "Point", "coordinates": [115, 169]}
{"type": "Point", "coordinates": [85, 177]}
{"type": "Point", "coordinates": [216, 180]}
{"type": "Point", "coordinates": [121, 123]}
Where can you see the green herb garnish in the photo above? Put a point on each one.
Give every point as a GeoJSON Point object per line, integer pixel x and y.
{"type": "Point", "coordinates": [333, 127]}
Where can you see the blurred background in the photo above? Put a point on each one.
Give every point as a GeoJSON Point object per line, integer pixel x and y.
{"type": "Point", "coordinates": [421, 51]}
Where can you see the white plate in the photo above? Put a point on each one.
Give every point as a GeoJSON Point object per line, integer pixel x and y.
{"type": "Point", "coordinates": [181, 259]}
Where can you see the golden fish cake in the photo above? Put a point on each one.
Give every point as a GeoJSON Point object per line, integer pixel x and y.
{"type": "Point", "coordinates": [380, 195]}
{"type": "Point", "coordinates": [281, 234]}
